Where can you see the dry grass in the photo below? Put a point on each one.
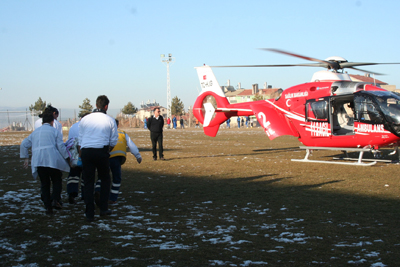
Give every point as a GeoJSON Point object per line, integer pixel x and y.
{"type": "Point", "coordinates": [232, 200]}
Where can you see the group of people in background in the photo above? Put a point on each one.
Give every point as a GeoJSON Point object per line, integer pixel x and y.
{"type": "Point", "coordinates": [101, 147]}
{"type": "Point", "coordinates": [240, 122]}
{"type": "Point", "coordinates": [174, 122]}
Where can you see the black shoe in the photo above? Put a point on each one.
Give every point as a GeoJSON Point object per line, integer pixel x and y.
{"type": "Point", "coordinates": [162, 158]}
{"type": "Point", "coordinates": [97, 198]}
{"type": "Point", "coordinates": [90, 219]}
{"type": "Point", "coordinates": [154, 158]}
{"type": "Point", "coordinates": [57, 205]}
{"type": "Point", "coordinates": [49, 211]}
{"type": "Point", "coordinates": [105, 213]}
{"type": "Point", "coordinates": [71, 199]}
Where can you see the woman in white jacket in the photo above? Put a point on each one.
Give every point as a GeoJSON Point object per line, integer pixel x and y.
{"type": "Point", "coordinates": [49, 158]}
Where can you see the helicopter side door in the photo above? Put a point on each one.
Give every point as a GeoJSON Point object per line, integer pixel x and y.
{"type": "Point", "coordinates": [317, 117]}
{"type": "Point", "coordinates": [342, 115]}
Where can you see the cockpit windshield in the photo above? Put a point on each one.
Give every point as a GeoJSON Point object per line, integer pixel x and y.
{"type": "Point", "coordinates": [389, 103]}
{"type": "Point", "coordinates": [379, 107]}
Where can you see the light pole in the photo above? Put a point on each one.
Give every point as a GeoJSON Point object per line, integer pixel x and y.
{"type": "Point", "coordinates": [167, 61]}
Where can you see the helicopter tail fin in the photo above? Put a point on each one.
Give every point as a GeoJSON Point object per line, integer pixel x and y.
{"type": "Point", "coordinates": [210, 104]}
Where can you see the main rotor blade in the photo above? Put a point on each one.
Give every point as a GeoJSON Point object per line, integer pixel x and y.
{"type": "Point", "coordinates": [280, 65]}
{"type": "Point", "coordinates": [352, 64]}
{"type": "Point", "coordinates": [366, 71]}
{"type": "Point", "coordinates": [331, 64]}
{"type": "Point", "coordinates": [293, 55]}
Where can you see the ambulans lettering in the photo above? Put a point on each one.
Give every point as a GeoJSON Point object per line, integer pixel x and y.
{"type": "Point", "coordinates": [370, 128]}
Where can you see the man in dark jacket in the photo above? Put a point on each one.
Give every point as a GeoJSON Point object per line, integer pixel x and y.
{"type": "Point", "coordinates": [156, 124]}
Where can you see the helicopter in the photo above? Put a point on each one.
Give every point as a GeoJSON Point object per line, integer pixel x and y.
{"type": "Point", "coordinates": [331, 112]}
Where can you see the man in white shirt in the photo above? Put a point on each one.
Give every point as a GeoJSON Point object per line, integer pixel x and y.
{"type": "Point", "coordinates": [49, 158]}
{"type": "Point", "coordinates": [98, 135]}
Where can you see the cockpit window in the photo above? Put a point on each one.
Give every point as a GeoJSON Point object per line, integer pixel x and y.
{"type": "Point", "coordinates": [365, 110]}
{"type": "Point", "coordinates": [317, 110]}
{"type": "Point", "coordinates": [379, 107]}
{"type": "Point", "coordinates": [390, 105]}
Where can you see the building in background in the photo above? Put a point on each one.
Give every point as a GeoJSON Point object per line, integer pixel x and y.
{"type": "Point", "coordinates": [146, 110]}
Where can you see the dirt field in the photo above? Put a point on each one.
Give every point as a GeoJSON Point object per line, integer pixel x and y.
{"type": "Point", "coordinates": [233, 200]}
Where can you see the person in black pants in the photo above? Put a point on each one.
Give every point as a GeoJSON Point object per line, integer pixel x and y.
{"type": "Point", "coordinates": [49, 158]}
{"type": "Point", "coordinates": [98, 135]}
{"type": "Point", "coordinates": [156, 124]}
{"type": "Point", "coordinates": [49, 176]}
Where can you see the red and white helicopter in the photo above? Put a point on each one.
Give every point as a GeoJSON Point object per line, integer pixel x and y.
{"type": "Point", "coordinates": [330, 112]}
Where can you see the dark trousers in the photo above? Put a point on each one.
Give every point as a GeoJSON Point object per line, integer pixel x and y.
{"type": "Point", "coordinates": [115, 167]}
{"type": "Point", "coordinates": [92, 159]}
{"type": "Point", "coordinates": [157, 138]}
{"type": "Point", "coordinates": [47, 176]}
{"type": "Point", "coordinates": [73, 182]}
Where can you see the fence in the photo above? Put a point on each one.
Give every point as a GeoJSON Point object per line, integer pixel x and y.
{"type": "Point", "coordinates": [17, 120]}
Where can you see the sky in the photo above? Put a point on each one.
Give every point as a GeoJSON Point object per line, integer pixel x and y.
{"type": "Point", "coordinates": [66, 51]}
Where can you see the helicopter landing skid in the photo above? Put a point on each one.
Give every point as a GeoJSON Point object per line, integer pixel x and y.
{"type": "Point", "coordinates": [346, 149]}
{"type": "Point", "coordinates": [376, 160]}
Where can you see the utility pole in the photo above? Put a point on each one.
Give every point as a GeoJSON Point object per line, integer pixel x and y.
{"type": "Point", "coordinates": [167, 61]}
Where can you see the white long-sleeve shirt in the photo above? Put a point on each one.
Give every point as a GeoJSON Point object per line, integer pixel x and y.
{"type": "Point", "coordinates": [58, 126]}
{"type": "Point", "coordinates": [38, 123]}
{"type": "Point", "coordinates": [74, 130]}
{"type": "Point", "coordinates": [132, 147]}
{"type": "Point", "coordinates": [97, 130]}
{"type": "Point", "coordinates": [48, 149]}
